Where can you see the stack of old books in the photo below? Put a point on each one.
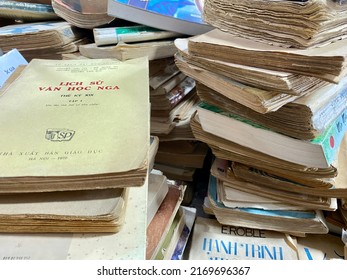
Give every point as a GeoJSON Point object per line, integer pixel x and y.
{"type": "Point", "coordinates": [173, 101]}
{"type": "Point", "coordinates": [275, 116]}
{"type": "Point", "coordinates": [72, 148]}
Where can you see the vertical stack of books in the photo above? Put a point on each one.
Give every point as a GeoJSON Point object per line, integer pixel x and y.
{"type": "Point", "coordinates": [74, 157]}
{"type": "Point", "coordinates": [273, 110]}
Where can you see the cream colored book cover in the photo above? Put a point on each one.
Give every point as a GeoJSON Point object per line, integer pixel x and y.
{"type": "Point", "coordinates": [75, 118]}
{"type": "Point", "coordinates": [214, 241]}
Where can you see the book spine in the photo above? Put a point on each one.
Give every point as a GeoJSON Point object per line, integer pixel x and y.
{"type": "Point", "coordinates": [330, 140]}
{"type": "Point", "coordinates": [128, 34]}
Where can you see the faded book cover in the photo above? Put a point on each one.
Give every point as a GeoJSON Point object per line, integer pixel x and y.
{"type": "Point", "coordinates": [96, 123]}
{"type": "Point", "coordinates": [214, 241]}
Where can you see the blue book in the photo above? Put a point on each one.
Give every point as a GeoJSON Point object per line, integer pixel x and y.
{"type": "Point", "coordinates": [9, 63]}
{"type": "Point", "coordinates": [181, 16]}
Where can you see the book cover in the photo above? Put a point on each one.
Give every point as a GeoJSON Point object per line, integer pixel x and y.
{"type": "Point", "coordinates": [76, 119]}
{"type": "Point", "coordinates": [320, 152]}
{"type": "Point", "coordinates": [9, 63]}
{"type": "Point", "coordinates": [214, 241]}
{"type": "Point", "coordinates": [182, 16]}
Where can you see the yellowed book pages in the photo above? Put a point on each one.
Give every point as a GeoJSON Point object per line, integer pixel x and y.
{"type": "Point", "coordinates": [123, 51]}
{"type": "Point", "coordinates": [127, 244]}
{"type": "Point", "coordinates": [326, 62]}
{"type": "Point", "coordinates": [75, 119]}
{"type": "Point", "coordinates": [275, 82]}
{"type": "Point", "coordinates": [71, 211]}
{"type": "Point", "coordinates": [44, 34]}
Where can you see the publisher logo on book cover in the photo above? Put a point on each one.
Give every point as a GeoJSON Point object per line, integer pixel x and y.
{"type": "Point", "coordinates": [59, 134]}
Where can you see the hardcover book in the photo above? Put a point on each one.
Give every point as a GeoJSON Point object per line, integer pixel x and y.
{"type": "Point", "coordinates": [183, 16]}
{"type": "Point", "coordinates": [53, 148]}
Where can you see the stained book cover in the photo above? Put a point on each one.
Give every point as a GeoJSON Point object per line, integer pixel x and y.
{"type": "Point", "coordinates": [75, 124]}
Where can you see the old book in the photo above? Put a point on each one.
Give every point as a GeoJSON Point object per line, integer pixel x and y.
{"type": "Point", "coordinates": [38, 35]}
{"type": "Point", "coordinates": [162, 220]}
{"type": "Point", "coordinates": [275, 82]}
{"type": "Point", "coordinates": [274, 194]}
{"type": "Point", "coordinates": [27, 11]}
{"type": "Point", "coordinates": [9, 63]}
{"type": "Point", "coordinates": [83, 13]}
{"type": "Point", "coordinates": [63, 153]}
{"type": "Point", "coordinates": [64, 211]}
{"type": "Point", "coordinates": [123, 51]}
{"type": "Point", "coordinates": [325, 62]}
{"type": "Point", "coordinates": [184, 17]}
{"type": "Point", "coordinates": [336, 190]}
{"type": "Point", "coordinates": [224, 149]}
{"type": "Point", "coordinates": [214, 241]}
{"type": "Point", "coordinates": [320, 152]}
{"type": "Point", "coordinates": [254, 98]}
{"type": "Point", "coordinates": [157, 190]}
{"type": "Point", "coordinates": [296, 222]}
{"type": "Point", "coordinates": [300, 24]}
{"type": "Point", "coordinates": [320, 247]}
{"type": "Point", "coordinates": [130, 34]}
{"type": "Point", "coordinates": [129, 243]}
{"type": "Point", "coordinates": [304, 118]}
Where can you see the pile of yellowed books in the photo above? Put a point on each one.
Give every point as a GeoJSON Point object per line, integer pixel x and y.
{"type": "Point", "coordinates": [72, 147]}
